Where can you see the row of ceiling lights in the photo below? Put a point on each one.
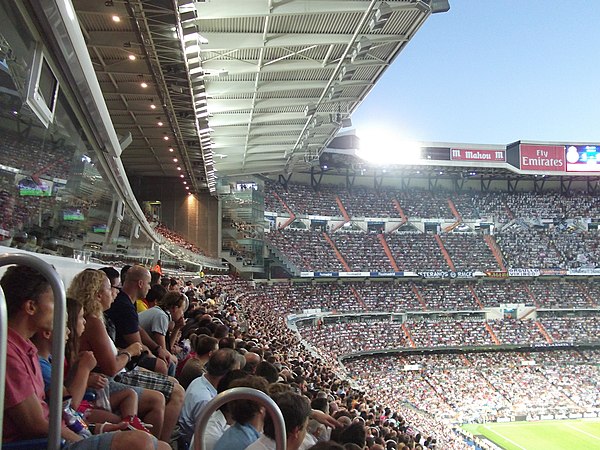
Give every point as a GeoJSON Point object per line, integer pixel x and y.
{"type": "Point", "coordinates": [144, 85]}
{"type": "Point", "coordinates": [191, 41]}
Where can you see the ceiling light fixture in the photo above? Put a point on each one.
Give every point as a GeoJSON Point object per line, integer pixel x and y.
{"type": "Point", "coordinates": [160, 124]}
{"type": "Point", "coordinates": [171, 150]}
{"type": "Point", "coordinates": [116, 18]}
{"type": "Point", "coordinates": [144, 84]}
{"type": "Point", "coordinates": [174, 159]}
{"type": "Point", "coordinates": [132, 57]}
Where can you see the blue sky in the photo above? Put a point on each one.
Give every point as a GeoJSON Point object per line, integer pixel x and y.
{"type": "Point", "coordinates": [493, 72]}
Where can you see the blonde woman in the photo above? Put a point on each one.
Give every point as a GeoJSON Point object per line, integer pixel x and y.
{"type": "Point", "coordinates": [92, 288]}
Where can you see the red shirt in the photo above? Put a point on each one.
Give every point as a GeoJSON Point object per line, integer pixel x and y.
{"type": "Point", "coordinates": [23, 378]}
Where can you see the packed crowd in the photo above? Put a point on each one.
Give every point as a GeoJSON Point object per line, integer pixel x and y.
{"type": "Point", "coordinates": [436, 333]}
{"type": "Point", "coordinates": [304, 200]}
{"type": "Point", "coordinates": [297, 297]}
{"type": "Point", "coordinates": [172, 236]}
{"type": "Point", "coordinates": [571, 330]}
{"type": "Point", "coordinates": [362, 202]}
{"type": "Point", "coordinates": [495, 293]}
{"type": "Point", "coordinates": [521, 247]}
{"type": "Point", "coordinates": [197, 340]}
{"type": "Point", "coordinates": [485, 386]}
{"type": "Point", "coordinates": [558, 294]}
{"type": "Point", "coordinates": [43, 158]}
{"type": "Point", "coordinates": [306, 249]}
{"type": "Point", "coordinates": [363, 252]}
{"type": "Point", "coordinates": [578, 249]}
{"type": "Point", "coordinates": [500, 207]}
{"type": "Point", "coordinates": [349, 337]}
{"type": "Point", "coordinates": [444, 297]}
{"type": "Point", "coordinates": [343, 338]}
{"type": "Point", "coordinates": [469, 252]}
{"type": "Point", "coordinates": [390, 296]}
{"type": "Point", "coordinates": [416, 251]}
{"type": "Point", "coordinates": [211, 337]}
{"type": "Point", "coordinates": [513, 331]}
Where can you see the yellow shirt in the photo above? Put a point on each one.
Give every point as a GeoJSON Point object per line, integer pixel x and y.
{"type": "Point", "coordinates": [140, 305]}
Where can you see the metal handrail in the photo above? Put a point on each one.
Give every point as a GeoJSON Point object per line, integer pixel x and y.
{"type": "Point", "coordinates": [3, 349]}
{"type": "Point", "coordinates": [58, 339]}
{"type": "Point", "coordinates": [241, 393]}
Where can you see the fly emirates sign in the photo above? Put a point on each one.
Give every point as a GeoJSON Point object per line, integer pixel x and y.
{"type": "Point", "coordinates": [546, 158]}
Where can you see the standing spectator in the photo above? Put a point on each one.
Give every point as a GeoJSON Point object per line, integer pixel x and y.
{"type": "Point", "coordinates": [158, 268]}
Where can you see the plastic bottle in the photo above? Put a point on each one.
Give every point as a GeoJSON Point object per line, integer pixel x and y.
{"type": "Point", "coordinates": [74, 421]}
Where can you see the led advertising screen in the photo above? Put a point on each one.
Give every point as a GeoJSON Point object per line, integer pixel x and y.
{"type": "Point", "coordinates": [99, 228]}
{"type": "Point", "coordinates": [583, 158]}
{"type": "Point", "coordinates": [29, 187]}
{"type": "Point", "coordinates": [73, 215]}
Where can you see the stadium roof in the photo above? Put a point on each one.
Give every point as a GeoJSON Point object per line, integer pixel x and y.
{"type": "Point", "coordinates": [239, 86]}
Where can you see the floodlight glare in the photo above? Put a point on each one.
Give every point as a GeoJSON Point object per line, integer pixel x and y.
{"type": "Point", "coordinates": [384, 148]}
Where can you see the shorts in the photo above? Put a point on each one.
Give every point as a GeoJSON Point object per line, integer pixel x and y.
{"type": "Point", "coordinates": [115, 386]}
{"type": "Point", "coordinates": [147, 362]}
{"type": "Point", "coordinates": [97, 442]}
{"type": "Point", "coordinates": [147, 380]}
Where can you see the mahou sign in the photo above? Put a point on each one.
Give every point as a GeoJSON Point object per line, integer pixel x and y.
{"type": "Point", "coordinates": [546, 158]}
{"type": "Point", "coordinates": [462, 154]}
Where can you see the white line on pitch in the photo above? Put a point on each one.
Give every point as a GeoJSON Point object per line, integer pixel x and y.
{"type": "Point", "coordinates": [581, 431]}
{"type": "Point", "coordinates": [504, 437]}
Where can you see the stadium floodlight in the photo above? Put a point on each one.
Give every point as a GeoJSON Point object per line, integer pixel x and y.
{"type": "Point", "coordinates": [381, 16]}
{"type": "Point", "coordinates": [384, 148]}
{"type": "Point", "coordinates": [310, 110]}
{"type": "Point", "coordinates": [361, 49]}
{"type": "Point", "coordinates": [188, 15]}
{"type": "Point", "coordinates": [438, 6]}
{"type": "Point", "coordinates": [346, 73]}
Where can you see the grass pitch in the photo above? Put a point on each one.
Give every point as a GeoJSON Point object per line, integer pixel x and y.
{"type": "Point", "coordinates": [545, 435]}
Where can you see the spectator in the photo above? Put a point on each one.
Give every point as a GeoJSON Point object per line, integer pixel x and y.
{"type": "Point", "coordinates": [203, 389]}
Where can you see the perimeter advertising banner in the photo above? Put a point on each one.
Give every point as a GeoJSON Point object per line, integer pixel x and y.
{"type": "Point", "coordinates": [462, 154]}
{"type": "Point", "coordinates": [542, 157]}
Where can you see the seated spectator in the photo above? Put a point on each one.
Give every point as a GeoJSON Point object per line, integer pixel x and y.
{"type": "Point", "coordinates": [124, 316]}
{"type": "Point", "coordinates": [203, 347]}
{"type": "Point", "coordinates": [296, 411]}
{"type": "Point", "coordinates": [154, 295]}
{"type": "Point", "coordinates": [249, 417]}
{"type": "Point", "coordinates": [163, 322]}
{"type": "Point", "coordinates": [30, 305]}
{"type": "Point", "coordinates": [92, 288]}
{"type": "Point", "coordinates": [204, 389]}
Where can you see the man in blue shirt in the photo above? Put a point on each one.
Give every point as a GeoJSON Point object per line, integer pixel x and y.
{"type": "Point", "coordinates": [249, 417]}
{"type": "Point", "coordinates": [204, 389]}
